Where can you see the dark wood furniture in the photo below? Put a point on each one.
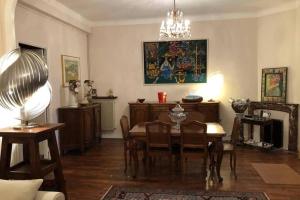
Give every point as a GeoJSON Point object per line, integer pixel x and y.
{"type": "Point", "coordinates": [158, 140]}
{"type": "Point", "coordinates": [291, 109]}
{"type": "Point", "coordinates": [215, 133]}
{"type": "Point", "coordinates": [194, 143]}
{"type": "Point", "coordinates": [143, 112]}
{"type": "Point", "coordinates": [261, 122]}
{"type": "Point", "coordinates": [32, 167]}
{"type": "Point", "coordinates": [82, 125]}
{"type": "Point", "coordinates": [229, 147]}
{"type": "Point", "coordinates": [130, 146]}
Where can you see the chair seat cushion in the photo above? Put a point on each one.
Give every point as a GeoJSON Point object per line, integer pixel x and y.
{"type": "Point", "coordinates": [228, 147]}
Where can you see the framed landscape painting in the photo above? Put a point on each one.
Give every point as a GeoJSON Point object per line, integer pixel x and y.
{"type": "Point", "coordinates": [175, 62]}
{"type": "Point", "coordinates": [70, 68]}
{"type": "Point", "coordinates": [274, 84]}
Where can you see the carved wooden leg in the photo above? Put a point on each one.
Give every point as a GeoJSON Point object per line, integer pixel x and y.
{"type": "Point", "coordinates": [135, 160]}
{"type": "Point", "coordinates": [125, 158]}
{"type": "Point", "coordinates": [5, 157]}
{"type": "Point", "coordinates": [219, 150]}
{"type": "Point", "coordinates": [211, 151]}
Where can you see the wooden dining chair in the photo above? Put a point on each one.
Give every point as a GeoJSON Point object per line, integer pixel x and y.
{"type": "Point", "coordinates": [130, 146]}
{"type": "Point", "coordinates": [230, 146]}
{"type": "Point", "coordinates": [158, 141]}
{"type": "Point", "coordinates": [194, 143]}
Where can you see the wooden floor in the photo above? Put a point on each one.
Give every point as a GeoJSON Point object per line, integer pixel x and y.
{"type": "Point", "coordinates": [88, 176]}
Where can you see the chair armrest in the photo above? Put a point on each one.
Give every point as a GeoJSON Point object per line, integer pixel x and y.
{"type": "Point", "coordinates": [45, 195]}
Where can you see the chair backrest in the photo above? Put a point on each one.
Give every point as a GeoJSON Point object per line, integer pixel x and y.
{"type": "Point", "coordinates": [158, 134]}
{"type": "Point", "coordinates": [125, 127]}
{"type": "Point", "coordinates": [194, 135]}
{"type": "Point", "coordinates": [195, 116]}
{"type": "Point", "coordinates": [235, 130]}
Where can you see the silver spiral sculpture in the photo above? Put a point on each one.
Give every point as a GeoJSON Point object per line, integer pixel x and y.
{"type": "Point", "coordinates": [24, 88]}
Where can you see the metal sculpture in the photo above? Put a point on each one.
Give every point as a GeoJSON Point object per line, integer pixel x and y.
{"type": "Point", "coordinates": [24, 88]}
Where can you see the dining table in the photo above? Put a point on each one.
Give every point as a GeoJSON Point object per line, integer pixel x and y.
{"type": "Point", "coordinates": [215, 133]}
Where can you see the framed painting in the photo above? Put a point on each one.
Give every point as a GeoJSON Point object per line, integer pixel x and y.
{"type": "Point", "coordinates": [274, 84]}
{"type": "Point", "coordinates": [70, 69]}
{"type": "Point", "coordinates": [175, 62]}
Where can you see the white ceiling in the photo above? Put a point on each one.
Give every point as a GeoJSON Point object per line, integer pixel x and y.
{"type": "Point", "coordinates": [121, 10]}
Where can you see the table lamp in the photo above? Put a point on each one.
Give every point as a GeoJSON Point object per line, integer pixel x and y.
{"type": "Point", "coordinates": [25, 92]}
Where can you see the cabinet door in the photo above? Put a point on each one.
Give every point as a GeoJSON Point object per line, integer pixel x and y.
{"type": "Point", "coordinates": [157, 109]}
{"type": "Point", "coordinates": [97, 113]}
{"type": "Point", "coordinates": [88, 121]}
{"type": "Point", "coordinates": [138, 113]}
{"type": "Point", "coordinates": [71, 135]}
{"type": "Point", "coordinates": [210, 111]}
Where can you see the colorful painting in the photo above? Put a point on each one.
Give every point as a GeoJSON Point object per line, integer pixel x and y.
{"type": "Point", "coordinates": [70, 68]}
{"type": "Point", "coordinates": [175, 62]}
{"type": "Point", "coordinates": [274, 82]}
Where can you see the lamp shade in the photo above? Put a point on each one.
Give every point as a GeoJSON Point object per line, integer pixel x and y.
{"type": "Point", "coordinates": [24, 89]}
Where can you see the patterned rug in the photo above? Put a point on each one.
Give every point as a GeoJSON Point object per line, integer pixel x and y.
{"type": "Point", "coordinates": [135, 193]}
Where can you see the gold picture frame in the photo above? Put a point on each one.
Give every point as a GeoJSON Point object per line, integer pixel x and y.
{"type": "Point", "coordinates": [70, 69]}
{"type": "Point", "coordinates": [274, 84]}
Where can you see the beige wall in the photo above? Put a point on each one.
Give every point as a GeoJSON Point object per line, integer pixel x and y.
{"type": "Point", "coordinates": [277, 46]}
{"type": "Point", "coordinates": [116, 60]}
{"type": "Point", "coordinates": [35, 28]}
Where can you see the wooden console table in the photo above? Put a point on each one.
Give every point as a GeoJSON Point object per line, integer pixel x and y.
{"type": "Point", "coordinates": [149, 111]}
{"type": "Point", "coordinates": [262, 123]}
{"type": "Point", "coordinates": [291, 109]}
{"type": "Point", "coordinates": [32, 167]}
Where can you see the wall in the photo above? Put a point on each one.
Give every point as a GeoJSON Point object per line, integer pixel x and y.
{"type": "Point", "coordinates": [277, 46]}
{"type": "Point", "coordinates": [116, 61]}
{"type": "Point", "coordinates": [38, 29]}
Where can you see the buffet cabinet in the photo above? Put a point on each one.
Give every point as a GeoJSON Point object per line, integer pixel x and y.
{"type": "Point", "coordinates": [143, 112]}
{"type": "Point", "coordinates": [82, 127]}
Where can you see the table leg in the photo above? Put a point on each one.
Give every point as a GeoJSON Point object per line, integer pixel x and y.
{"type": "Point", "coordinates": [219, 151]}
{"type": "Point", "coordinates": [135, 160]}
{"type": "Point", "coordinates": [211, 150]}
{"type": "Point", "coordinates": [5, 157]}
{"type": "Point", "coordinates": [34, 158]}
{"type": "Point", "coordinates": [58, 171]}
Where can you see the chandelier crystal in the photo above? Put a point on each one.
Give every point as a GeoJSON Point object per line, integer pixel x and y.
{"type": "Point", "coordinates": [175, 26]}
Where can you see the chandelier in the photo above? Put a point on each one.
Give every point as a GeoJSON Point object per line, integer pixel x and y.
{"type": "Point", "coordinates": [175, 27]}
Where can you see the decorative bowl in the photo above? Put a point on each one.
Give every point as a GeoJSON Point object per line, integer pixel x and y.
{"type": "Point", "coordinates": [140, 100]}
{"type": "Point", "coordinates": [192, 98]}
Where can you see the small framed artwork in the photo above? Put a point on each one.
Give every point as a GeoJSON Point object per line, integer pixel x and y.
{"type": "Point", "coordinates": [70, 69]}
{"type": "Point", "coordinates": [274, 85]}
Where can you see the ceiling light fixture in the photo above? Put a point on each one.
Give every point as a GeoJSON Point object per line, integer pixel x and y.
{"type": "Point", "coordinates": [175, 26]}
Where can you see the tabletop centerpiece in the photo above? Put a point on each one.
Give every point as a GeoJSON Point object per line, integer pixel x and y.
{"type": "Point", "coordinates": [177, 115]}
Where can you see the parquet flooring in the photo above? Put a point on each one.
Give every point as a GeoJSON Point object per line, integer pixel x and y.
{"type": "Point", "coordinates": [89, 175]}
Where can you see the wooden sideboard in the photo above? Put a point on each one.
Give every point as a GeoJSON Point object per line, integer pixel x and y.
{"type": "Point", "coordinates": [83, 125]}
{"type": "Point", "coordinates": [142, 112]}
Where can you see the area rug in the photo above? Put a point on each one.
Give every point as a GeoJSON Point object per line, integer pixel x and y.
{"type": "Point", "coordinates": [140, 193]}
{"type": "Point", "coordinates": [277, 173]}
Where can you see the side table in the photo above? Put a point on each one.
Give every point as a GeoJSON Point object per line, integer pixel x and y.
{"type": "Point", "coordinates": [261, 123]}
{"type": "Point", "coordinates": [32, 167]}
